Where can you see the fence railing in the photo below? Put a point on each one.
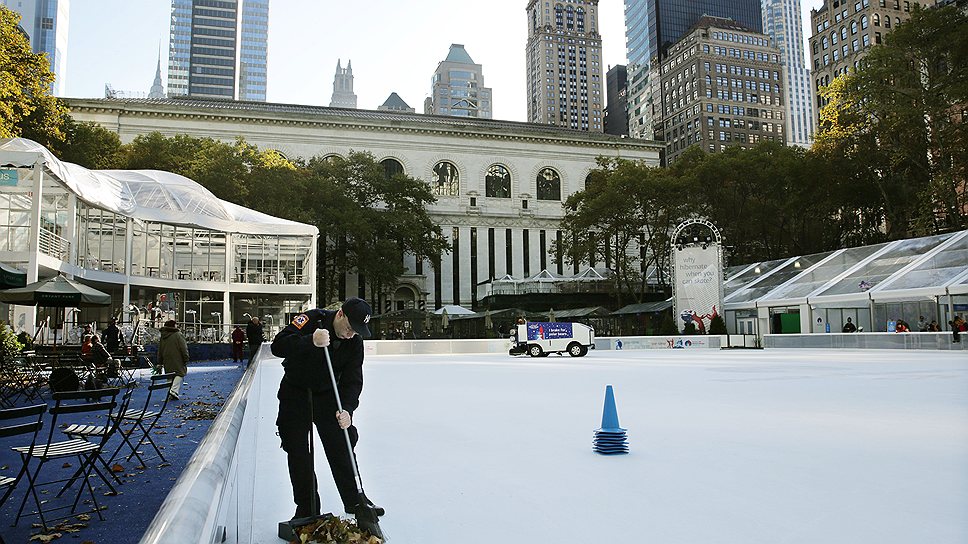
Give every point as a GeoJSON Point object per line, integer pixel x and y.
{"type": "Point", "coordinates": [54, 245]}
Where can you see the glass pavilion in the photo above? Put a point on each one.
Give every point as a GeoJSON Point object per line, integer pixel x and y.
{"type": "Point", "coordinates": [904, 279]}
{"type": "Point", "coordinates": [158, 242]}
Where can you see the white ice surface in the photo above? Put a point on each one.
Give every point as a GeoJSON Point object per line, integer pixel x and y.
{"type": "Point", "coordinates": [745, 447]}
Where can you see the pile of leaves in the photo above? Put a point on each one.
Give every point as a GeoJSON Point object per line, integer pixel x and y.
{"type": "Point", "coordinates": [333, 530]}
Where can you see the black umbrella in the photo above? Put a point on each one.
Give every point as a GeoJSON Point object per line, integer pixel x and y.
{"type": "Point", "coordinates": [11, 277]}
{"type": "Point", "coordinates": [56, 292]}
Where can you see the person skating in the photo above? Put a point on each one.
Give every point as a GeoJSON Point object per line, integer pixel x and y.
{"type": "Point", "coordinates": [253, 331]}
{"type": "Point", "coordinates": [238, 338]}
{"type": "Point", "coordinates": [306, 397]}
{"type": "Point", "coordinates": [173, 355]}
{"type": "Point", "coordinates": [112, 337]}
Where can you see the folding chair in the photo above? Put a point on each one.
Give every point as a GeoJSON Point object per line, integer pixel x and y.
{"type": "Point", "coordinates": [162, 383]}
{"type": "Point", "coordinates": [69, 403]}
{"type": "Point", "coordinates": [23, 421]}
{"type": "Point", "coordinates": [103, 433]}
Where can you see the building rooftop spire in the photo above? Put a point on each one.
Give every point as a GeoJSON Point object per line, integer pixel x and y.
{"type": "Point", "coordinates": [157, 89]}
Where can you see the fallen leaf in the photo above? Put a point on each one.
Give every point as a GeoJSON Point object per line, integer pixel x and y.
{"type": "Point", "coordinates": [117, 468]}
{"type": "Point", "coordinates": [46, 538]}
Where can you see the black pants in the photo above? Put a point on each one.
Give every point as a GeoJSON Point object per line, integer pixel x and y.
{"type": "Point", "coordinates": [294, 430]}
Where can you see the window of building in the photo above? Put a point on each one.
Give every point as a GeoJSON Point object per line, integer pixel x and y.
{"type": "Point", "coordinates": [549, 184]}
{"type": "Point", "coordinates": [446, 179]}
{"type": "Point", "coordinates": [391, 167]}
{"type": "Point", "coordinates": [497, 182]}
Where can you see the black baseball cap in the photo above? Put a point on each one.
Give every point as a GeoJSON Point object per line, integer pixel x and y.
{"type": "Point", "coordinates": [358, 312]}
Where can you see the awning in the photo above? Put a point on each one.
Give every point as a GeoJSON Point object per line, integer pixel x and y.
{"type": "Point", "coordinates": [11, 277]}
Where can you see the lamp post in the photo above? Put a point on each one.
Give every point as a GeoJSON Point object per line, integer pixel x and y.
{"type": "Point", "coordinates": [269, 318]}
{"type": "Point", "coordinates": [218, 319]}
{"type": "Point", "coordinates": [194, 322]}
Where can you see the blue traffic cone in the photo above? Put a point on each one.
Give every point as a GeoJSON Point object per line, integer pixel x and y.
{"type": "Point", "coordinates": [610, 438]}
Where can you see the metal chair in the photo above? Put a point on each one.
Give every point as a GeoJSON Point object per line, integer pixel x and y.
{"type": "Point", "coordinates": [147, 416]}
{"type": "Point", "coordinates": [103, 433]}
{"type": "Point", "coordinates": [19, 422]}
{"type": "Point", "coordinates": [71, 403]}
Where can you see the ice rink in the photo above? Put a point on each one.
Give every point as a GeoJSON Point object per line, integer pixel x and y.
{"type": "Point", "coordinates": [773, 446]}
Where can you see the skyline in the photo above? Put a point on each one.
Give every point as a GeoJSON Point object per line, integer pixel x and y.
{"type": "Point", "coordinates": [302, 61]}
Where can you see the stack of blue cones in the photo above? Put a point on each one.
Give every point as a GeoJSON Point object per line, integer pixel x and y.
{"type": "Point", "coordinates": [610, 439]}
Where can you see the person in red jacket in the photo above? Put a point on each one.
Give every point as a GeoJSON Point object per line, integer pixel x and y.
{"type": "Point", "coordinates": [238, 340]}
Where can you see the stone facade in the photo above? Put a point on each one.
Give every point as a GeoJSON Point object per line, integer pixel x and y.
{"type": "Point", "coordinates": [500, 184]}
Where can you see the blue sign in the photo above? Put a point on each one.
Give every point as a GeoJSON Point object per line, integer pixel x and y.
{"type": "Point", "coordinates": [548, 331]}
{"type": "Point", "coordinates": [8, 177]}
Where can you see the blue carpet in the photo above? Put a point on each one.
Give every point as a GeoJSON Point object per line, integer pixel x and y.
{"type": "Point", "coordinates": [128, 514]}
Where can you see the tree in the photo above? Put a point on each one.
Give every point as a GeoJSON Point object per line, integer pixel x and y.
{"type": "Point", "coordinates": [27, 109]}
{"type": "Point", "coordinates": [368, 221]}
{"type": "Point", "coordinates": [89, 145]}
{"type": "Point", "coordinates": [624, 217]}
{"type": "Point", "coordinates": [900, 118]}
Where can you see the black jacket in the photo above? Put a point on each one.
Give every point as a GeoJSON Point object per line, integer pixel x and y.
{"type": "Point", "coordinates": [254, 333]}
{"type": "Point", "coordinates": [305, 364]}
{"type": "Point", "coordinates": [112, 338]}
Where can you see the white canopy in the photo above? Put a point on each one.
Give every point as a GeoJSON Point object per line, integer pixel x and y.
{"type": "Point", "coordinates": [150, 195]}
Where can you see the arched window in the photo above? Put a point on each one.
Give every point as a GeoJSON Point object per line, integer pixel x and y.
{"type": "Point", "coordinates": [446, 179]}
{"type": "Point", "coordinates": [897, 21]}
{"type": "Point", "coordinates": [549, 184]}
{"type": "Point", "coordinates": [877, 19]}
{"type": "Point", "coordinates": [823, 42]}
{"type": "Point", "coordinates": [559, 16]}
{"type": "Point", "coordinates": [853, 27]}
{"type": "Point", "coordinates": [391, 167]}
{"type": "Point", "coordinates": [571, 18]}
{"type": "Point", "coordinates": [843, 33]}
{"type": "Point", "coordinates": [581, 20]}
{"type": "Point", "coordinates": [497, 182]}
{"type": "Point", "coordinates": [331, 158]}
{"type": "Point", "coordinates": [833, 38]}
{"type": "Point", "coordinates": [887, 22]}
{"type": "Point", "coordinates": [863, 22]}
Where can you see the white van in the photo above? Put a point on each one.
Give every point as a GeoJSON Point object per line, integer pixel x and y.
{"type": "Point", "coordinates": [539, 338]}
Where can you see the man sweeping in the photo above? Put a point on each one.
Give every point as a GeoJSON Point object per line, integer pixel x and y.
{"type": "Point", "coordinates": [306, 397]}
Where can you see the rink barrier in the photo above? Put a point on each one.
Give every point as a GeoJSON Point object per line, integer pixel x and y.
{"type": "Point", "coordinates": [190, 512]}
{"type": "Point", "coordinates": [867, 340]}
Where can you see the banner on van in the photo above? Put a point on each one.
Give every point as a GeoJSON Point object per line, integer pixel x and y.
{"type": "Point", "coordinates": [548, 330]}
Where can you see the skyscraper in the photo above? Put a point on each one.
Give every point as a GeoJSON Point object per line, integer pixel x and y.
{"type": "Point", "coordinates": [46, 22]}
{"type": "Point", "coordinates": [651, 26]}
{"type": "Point", "coordinates": [219, 48]}
{"type": "Point", "coordinates": [343, 95]}
{"type": "Point", "coordinates": [458, 87]}
{"type": "Point", "coordinates": [617, 108]}
{"type": "Point", "coordinates": [783, 22]}
{"type": "Point", "coordinates": [564, 64]}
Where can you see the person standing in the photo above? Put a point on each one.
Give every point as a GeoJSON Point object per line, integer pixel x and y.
{"type": "Point", "coordinates": [173, 355]}
{"type": "Point", "coordinates": [112, 337]}
{"type": "Point", "coordinates": [849, 326]}
{"type": "Point", "coordinates": [238, 337]}
{"type": "Point", "coordinates": [306, 397]}
{"type": "Point", "coordinates": [253, 331]}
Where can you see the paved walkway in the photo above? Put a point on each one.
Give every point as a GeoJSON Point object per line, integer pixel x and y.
{"type": "Point", "coordinates": [128, 514]}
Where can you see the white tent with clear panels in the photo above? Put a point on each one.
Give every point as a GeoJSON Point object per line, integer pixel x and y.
{"type": "Point", "coordinates": [150, 238]}
{"type": "Point", "coordinates": [874, 285]}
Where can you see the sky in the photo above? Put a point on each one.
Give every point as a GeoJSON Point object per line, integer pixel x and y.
{"type": "Point", "coordinates": [395, 46]}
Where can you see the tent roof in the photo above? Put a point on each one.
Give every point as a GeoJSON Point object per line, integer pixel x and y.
{"type": "Point", "coordinates": [150, 195]}
{"type": "Point", "coordinates": [644, 307]}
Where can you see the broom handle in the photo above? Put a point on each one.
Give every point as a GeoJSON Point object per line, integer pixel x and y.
{"type": "Point", "coordinates": [346, 432]}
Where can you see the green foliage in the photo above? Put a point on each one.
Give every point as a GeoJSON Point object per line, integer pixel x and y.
{"type": "Point", "coordinates": [9, 345]}
{"type": "Point", "coordinates": [689, 329]}
{"type": "Point", "coordinates": [717, 325]}
{"type": "Point", "coordinates": [27, 108]}
{"type": "Point", "coordinates": [668, 326]}
{"type": "Point", "coordinates": [894, 120]}
{"type": "Point", "coordinates": [89, 145]}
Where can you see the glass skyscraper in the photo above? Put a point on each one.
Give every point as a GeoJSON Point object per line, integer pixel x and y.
{"type": "Point", "coordinates": [46, 22]}
{"type": "Point", "coordinates": [782, 21]}
{"type": "Point", "coordinates": [219, 48]}
{"type": "Point", "coordinates": [653, 25]}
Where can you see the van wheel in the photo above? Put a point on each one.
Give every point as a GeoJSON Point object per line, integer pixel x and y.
{"type": "Point", "coordinates": [534, 350]}
{"type": "Point", "coordinates": [577, 350]}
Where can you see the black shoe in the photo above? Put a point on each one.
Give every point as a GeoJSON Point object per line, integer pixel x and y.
{"type": "Point", "coordinates": [354, 508]}
{"type": "Point", "coordinates": [172, 396]}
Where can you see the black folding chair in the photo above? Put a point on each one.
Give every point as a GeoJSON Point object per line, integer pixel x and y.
{"type": "Point", "coordinates": [17, 422]}
{"type": "Point", "coordinates": [146, 418]}
{"type": "Point", "coordinates": [70, 403]}
{"type": "Point", "coordinates": [103, 433]}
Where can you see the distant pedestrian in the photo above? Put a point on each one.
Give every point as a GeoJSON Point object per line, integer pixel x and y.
{"type": "Point", "coordinates": [849, 326]}
{"type": "Point", "coordinates": [922, 324]}
{"type": "Point", "coordinates": [253, 331]}
{"type": "Point", "coordinates": [173, 355]}
{"type": "Point", "coordinates": [238, 337]}
{"type": "Point", "coordinates": [954, 332]}
{"type": "Point", "coordinates": [112, 337]}
{"type": "Point", "coordinates": [933, 326]}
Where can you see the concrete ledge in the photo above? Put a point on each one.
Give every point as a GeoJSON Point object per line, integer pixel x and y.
{"type": "Point", "coordinates": [660, 342]}
{"type": "Point", "coordinates": [867, 340]}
